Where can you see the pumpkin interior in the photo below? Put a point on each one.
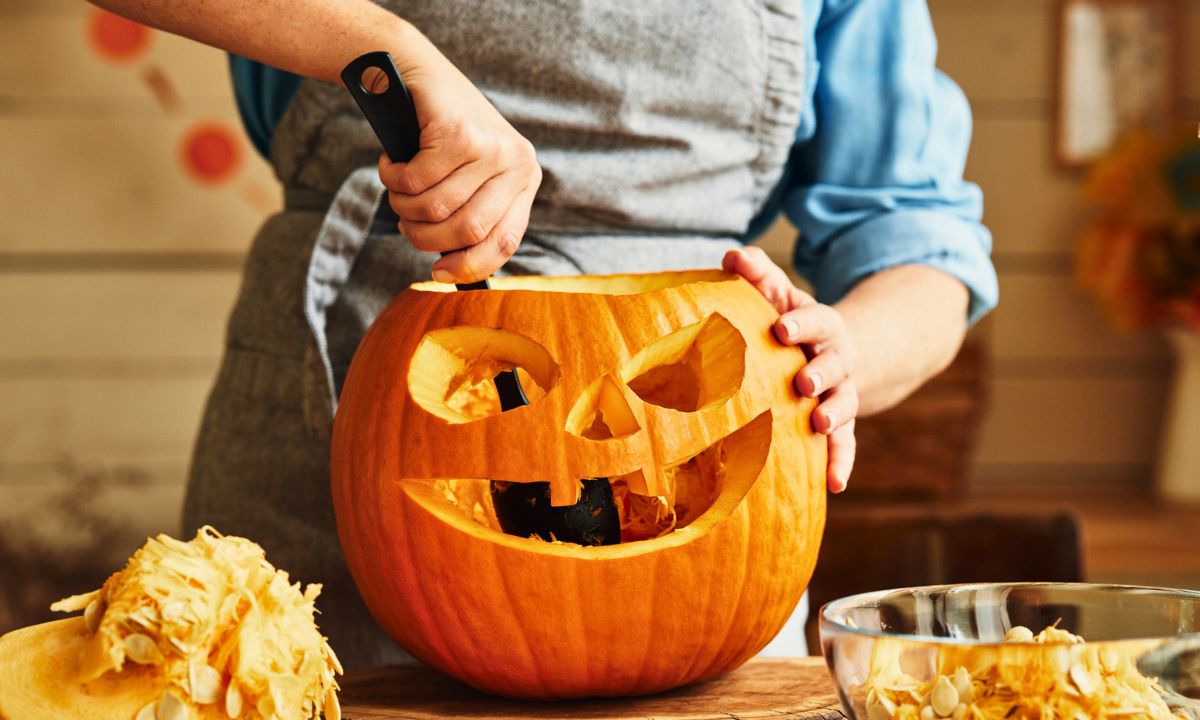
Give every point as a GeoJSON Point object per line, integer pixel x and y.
{"type": "Point", "coordinates": [451, 373]}
{"type": "Point", "coordinates": [591, 284]}
{"type": "Point", "coordinates": [702, 491]}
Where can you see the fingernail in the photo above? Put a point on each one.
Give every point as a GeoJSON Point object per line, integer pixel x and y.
{"type": "Point", "coordinates": [836, 486]}
{"type": "Point", "coordinates": [791, 327]}
{"type": "Point", "coordinates": [815, 379]}
{"type": "Point", "coordinates": [442, 276]}
{"type": "Point", "coordinates": [830, 419]}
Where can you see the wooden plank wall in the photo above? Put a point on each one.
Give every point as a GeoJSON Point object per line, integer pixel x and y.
{"type": "Point", "coordinates": [1071, 400]}
{"type": "Point", "coordinates": [117, 271]}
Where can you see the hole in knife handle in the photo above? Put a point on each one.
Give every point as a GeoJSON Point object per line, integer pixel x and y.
{"type": "Point", "coordinates": [374, 80]}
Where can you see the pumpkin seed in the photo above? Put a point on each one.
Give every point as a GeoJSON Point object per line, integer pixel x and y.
{"type": "Point", "coordinates": [148, 712]}
{"type": "Point", "coordinates": [93, 614]}
{"type": "Point", "coordinates": [204, 682]}
{"type": "Point", "coordinates": [233, 700]}
{"type": "Point", "coordinates": [146, 617]}
{"type": "Point", "coordinates": [1059, 658]}
{"type": "Point", "coordinates": [1110, 660]}
{"type": "Point", "coordinates": [142, 649]}
{"type": "Point", "coordinates": [170, 707]}
{"type": "Point", "coordinates": [1019, 633]}
{"type": "Point", "coordinates": [880, 708]}
{"type": "Point", "coordinates": [960, 712]}
{"type": "Point", "coordinates": [1083, 680]}
{"type": "Point", "coordinates": [927, 713]}
{"type": "Point", "coordinates": [333, 707]}
{"type": "Point", "coordinates": [877, 711]}
{"type": "Point", "coordinates": [962, 683]}
{"type": "Point", "coordinates": [943, 698]}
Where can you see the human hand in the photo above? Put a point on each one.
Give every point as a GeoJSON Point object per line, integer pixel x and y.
{"type": "Point", "coordinates": [819, 331]}
{"type": "Point", "coordinates": [468, 190]}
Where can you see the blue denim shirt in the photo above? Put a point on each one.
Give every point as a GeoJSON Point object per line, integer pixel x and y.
{"type": "Point", "coordinates": [875, 177]}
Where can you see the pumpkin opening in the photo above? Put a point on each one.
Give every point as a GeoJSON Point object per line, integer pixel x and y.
{"type": "Point", "coordinates": [691, 369]}
{"type": "Point", "coordinates": [694, 487]}
{"type": "Point", "coordinates": [592, 284]}
{"type": "Point", "coordinates": [453, 369]}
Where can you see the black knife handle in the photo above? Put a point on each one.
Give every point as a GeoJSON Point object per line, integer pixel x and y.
{"type": "Point", "coordinates": [389, 109]}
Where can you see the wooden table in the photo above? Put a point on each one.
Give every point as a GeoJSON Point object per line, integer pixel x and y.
{"type": "Point", "coordinates": [794, 688]}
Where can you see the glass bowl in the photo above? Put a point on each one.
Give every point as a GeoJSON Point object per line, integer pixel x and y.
{"type": "Point", "coordinates": [926, 653]}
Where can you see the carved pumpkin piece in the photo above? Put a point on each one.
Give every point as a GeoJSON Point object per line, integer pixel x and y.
{"type": "Point", "coordinates": [669, 385]}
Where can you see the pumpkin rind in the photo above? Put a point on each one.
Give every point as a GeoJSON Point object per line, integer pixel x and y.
{"type": "Point", "coordinates": [532, 619]}
{"type": "Point", "coordinates": [41, 669]}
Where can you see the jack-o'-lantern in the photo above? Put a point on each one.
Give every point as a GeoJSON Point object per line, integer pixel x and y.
{"type": "Point", "coordinates": [669, 385]}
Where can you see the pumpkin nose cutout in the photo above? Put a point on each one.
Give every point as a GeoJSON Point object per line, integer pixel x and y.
{"type": "Point", "coordinates": [602, 412]}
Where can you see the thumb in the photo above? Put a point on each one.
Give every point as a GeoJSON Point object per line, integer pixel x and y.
{"type": "Point", "coordinates": [753, 264]}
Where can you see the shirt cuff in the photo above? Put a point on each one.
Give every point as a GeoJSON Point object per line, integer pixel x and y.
{"type": "Point", "coordinates": [957, 247]}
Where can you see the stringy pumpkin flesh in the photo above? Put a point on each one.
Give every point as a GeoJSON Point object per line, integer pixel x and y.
{"type": "Point", "coordinates": [207, 627]}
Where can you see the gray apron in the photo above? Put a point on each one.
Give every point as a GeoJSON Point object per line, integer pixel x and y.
{"type": "Point", "coordinates": [661, 128]}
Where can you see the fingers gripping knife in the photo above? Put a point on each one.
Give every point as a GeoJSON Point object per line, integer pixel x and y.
{"type": "Point", "coordinates": [522, 508]}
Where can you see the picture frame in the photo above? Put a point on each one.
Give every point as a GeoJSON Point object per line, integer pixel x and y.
{"type": "Point", "coordinates": [1117, 71]}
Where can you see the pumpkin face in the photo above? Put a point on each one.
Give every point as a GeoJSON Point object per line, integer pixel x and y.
{"type": "Point", "coordinates": [670, 385]}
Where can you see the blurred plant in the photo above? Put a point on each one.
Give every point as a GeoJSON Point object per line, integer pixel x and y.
{"type": "Point", "coordinates": [1139, 256]}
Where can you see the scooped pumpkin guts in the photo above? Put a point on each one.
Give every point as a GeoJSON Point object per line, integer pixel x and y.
{"type": "Point", "coordinates": [200, 629]}
{"type": "Point", "coordinates": [669, 385]}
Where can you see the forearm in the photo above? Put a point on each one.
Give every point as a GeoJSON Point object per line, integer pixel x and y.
{"type": "Point", "coordinates": [313, 38]}
{"type": "Point", "coordinates": [906, 324]}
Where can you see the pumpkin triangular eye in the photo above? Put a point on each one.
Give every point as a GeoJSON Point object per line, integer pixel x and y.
{"type": "Point", "coordinates": [693, 368]}
{"type": "Point", "coordinates": [601, 412]}
{"type": "Point", "coordinates": [451, 373]}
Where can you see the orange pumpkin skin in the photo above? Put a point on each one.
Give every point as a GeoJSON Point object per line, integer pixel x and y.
{"type": "Point", "coordinates": [530, 619]}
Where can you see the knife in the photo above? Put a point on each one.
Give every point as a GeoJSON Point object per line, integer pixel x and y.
{"type": "Point", "coordinates": [523, 508]}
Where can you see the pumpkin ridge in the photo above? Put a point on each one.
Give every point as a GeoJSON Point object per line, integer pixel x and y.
{"type": "Point", "coordinates": [437, 629]}
{"type": "Point", "coordinates": [650, 635]}
{"type": "Point", "coordinates": [735, 616]}
{"type": "Point", "coordinates": [531, 659]}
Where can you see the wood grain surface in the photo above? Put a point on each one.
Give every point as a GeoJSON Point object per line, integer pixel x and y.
{"type": "Point", "coordinates": [777, 688]}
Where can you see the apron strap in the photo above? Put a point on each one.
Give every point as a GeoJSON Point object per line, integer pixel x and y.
{"type": "Point", "coordinates": [348, 221]}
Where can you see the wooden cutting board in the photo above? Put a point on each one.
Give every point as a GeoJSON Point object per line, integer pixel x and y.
{"type": "Point", "coordinates": [794, 689]}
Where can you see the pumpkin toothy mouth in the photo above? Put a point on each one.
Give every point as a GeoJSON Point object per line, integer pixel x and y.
{"type": "Point", "coordinates": [703, 490]}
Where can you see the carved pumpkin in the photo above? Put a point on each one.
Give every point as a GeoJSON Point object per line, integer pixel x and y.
{"type": "Point", "coordinates": [671, 386]}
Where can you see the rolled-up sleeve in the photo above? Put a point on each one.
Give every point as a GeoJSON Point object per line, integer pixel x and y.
{"type": "Point", "coordinates": [878, 183]}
